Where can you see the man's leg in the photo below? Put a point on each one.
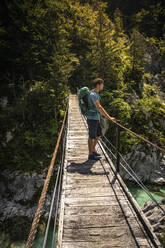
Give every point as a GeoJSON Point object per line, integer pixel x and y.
{"type": "Point", "coordinates": [90, 145]}
{"type": "Point", "coordinates": [95, 142]}
{"type": "Point", "coordinates": [92, 126]}
{"type": "Point", "coordinates": [99, 133]}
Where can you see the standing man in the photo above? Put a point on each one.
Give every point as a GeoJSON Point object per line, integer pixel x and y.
{"type": "Point", "coordinates": [93, 118]}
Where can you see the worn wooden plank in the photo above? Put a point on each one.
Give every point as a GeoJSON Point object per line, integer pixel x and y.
{"type": "Point", "coordinates": [84, 221]}
{"type": "Point", "coordinates": [83, 190]}
{"type": "Point", "coordinates": [92, 192]}
{"type": "Point", "coordinates": [90, 176]}
{"type": "Point", "coordinates": [101, 179]}
{"type": "Point", "coordinates": [105, 244]}
{"type": "Point", "coordinates": [99, 210]}
{"type": "Point", "coordinates": [87, 164]}
{"type": "Point", "coordinates": [105, 233]}
{"type": "Point", "coordinates": [88, 171]}
{"type": "Point", "coordinates": [94, 201]}
{"type": "Point", "coordinates": [97, 245]}
{"type": "Point", "coordinates": [87, 184]}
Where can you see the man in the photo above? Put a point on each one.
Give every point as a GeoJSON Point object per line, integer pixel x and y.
{"type": "Point", "coordinates": [93, 118]}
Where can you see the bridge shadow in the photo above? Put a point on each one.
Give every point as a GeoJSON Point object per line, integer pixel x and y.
{"type": "Point", "coordinates": [84, 168]}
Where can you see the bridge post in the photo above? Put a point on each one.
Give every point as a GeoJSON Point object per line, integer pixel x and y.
{"type": "Point", "coordinates": [117, 148]}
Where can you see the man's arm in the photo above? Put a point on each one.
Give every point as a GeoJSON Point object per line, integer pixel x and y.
{"type": "Point", "coordinates": [102, 110]}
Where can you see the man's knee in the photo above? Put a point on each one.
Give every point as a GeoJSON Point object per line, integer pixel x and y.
{"type": "Point", "coordinates": [91, 136]}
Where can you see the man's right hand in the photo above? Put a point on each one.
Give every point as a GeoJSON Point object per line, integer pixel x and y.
{"type": "Point", "coordinates": [112, 119]}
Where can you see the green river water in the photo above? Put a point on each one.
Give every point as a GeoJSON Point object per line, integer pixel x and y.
{"type": "Point", "coordinates": [140, 196]}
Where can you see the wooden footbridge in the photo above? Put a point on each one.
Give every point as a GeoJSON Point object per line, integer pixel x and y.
{"type": "Point", "coordinates": [96, 209]}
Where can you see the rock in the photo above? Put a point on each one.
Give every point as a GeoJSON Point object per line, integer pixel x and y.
{"type": "Point", "coordinates": [148, 165]}
{"type": "Point", "coordinates": [20, 192]}
{"type": "Point", "coordinates": [163, 201]}
{"type": "Point", "coordinates": [104, 122]}
{"type": "Point", "coordinates": [155, 215]}
{"type": "Point", "coordinates": [162, 123]}
{"type": "Point", "coordinates": [147, 207]}
{"type": "Point", "coordinates": [132, 98]}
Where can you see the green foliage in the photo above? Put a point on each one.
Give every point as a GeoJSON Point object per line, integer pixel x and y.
{"type": "Point", "coordinates": [17, 229]}
{"type": "Point", "coordinates": [150, 20]}
{"type": "Point", "coordinates": [158, 43]}
{"type": "Point", "coordinates": [147, 110]}
{"type": "Point", "coordinates": [121, 109]}
{"type": "Point", "coordinates": [36, 79]}
{"type": "Point", "coordinates": [37, 120]}
{"type": "Point", "coordinates": [162, 237]}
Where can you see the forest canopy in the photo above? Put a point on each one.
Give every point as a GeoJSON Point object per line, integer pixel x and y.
{"type": "Point", "coordinates": [48, 46]}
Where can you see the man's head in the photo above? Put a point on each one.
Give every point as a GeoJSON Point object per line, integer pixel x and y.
{"type": "Point", "coordinates": [98, 84]}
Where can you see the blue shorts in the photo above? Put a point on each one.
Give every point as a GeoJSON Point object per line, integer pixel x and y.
{"type": "Point", "coordinates": [94, 128]}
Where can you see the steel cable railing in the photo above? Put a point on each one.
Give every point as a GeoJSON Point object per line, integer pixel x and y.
{"type": "Point", "coordinates": [135, 177]}
{"type": "Point", "coordinates": [59, 190]}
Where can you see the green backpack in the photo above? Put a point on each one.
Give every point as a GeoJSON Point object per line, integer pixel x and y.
{"type": "Point", "coordinates": [83, 94]}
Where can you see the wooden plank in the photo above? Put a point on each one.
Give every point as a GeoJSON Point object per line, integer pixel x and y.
{"type": "Point", "coordinates": [72, 170]}
{"type": "Point", "coordinates": [116, 244]}
{"type": "Point", "coordinates": [102, 210]}
{"type": "Point", "coordinates": [93, 190]}
{"type": "Point", "coordinates": [87, 184]}
{"type": "Point", "coordinates": [101, 179]}
{"type": "Point", "coordinates": [88, 164]}
{"type": "Point", "coordinates": [94, 201]}
{"type": "Point", "coordinates": [103, 194]}
{"type": "Point", "coordinates": [77, 139]}
{"type": "Point", "coordinates": [108, 234]}
{"type": "Point", "coordinates": [84, 221]}
{"type": "Point", "coordinates": [87, 175]}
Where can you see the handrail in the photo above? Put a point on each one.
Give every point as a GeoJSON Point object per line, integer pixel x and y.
{"type": "Point", "coordinates": [45, 187]}
{"type": "Point", "coordinates": [162, 149]}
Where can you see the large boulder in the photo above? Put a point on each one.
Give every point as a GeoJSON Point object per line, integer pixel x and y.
{"type": "Point", "coordinates": [20, 192]}
{"type": "Point", "coordinates": [149, 165]}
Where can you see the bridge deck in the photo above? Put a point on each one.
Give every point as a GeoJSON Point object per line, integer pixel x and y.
{"type": "Point", "coordinates": [94, 210]}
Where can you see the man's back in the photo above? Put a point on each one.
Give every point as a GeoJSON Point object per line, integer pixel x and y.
{"type": "Point", "coordinates": [93, 112]}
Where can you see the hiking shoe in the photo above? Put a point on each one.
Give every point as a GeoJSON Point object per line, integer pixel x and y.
{"type": "Point", "coordinates": [97, 154]}
{"type": "Point", "coordinates": [93, 157]}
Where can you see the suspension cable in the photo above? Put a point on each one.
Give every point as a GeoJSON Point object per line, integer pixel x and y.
{"type": "Point", "coordinates": [54, 192]}
{"type": "Point", "coordinates": [123, 158]}
{"type": "Point", "coordinates": [126, 163]}
{"type": "Point", "coordinates": [51, 209]}
{"type": "Point", "coordinates": [58, 192]}
{"type": "Point", "coordinates": [139, 136]}
{"type": "Point", "coordinates": [136, 179]}
{"type": "Point", "coordinates": [45, 187]}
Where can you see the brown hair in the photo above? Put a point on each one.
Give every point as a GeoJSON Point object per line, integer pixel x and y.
{"type": "Point", "coordinates": [97, 81]}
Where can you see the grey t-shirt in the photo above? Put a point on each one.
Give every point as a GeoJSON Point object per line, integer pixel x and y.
{"type": "Point", "coordinates": [94, 96]}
